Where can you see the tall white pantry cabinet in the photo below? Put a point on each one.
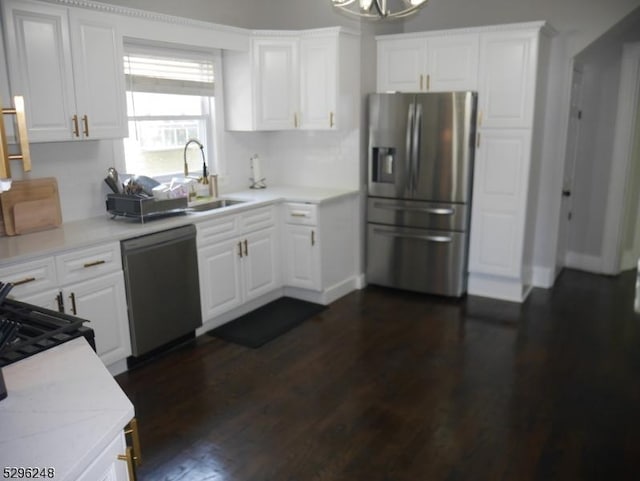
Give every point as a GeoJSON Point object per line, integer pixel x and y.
{"type": "Point", "coordinates": [507, 66]}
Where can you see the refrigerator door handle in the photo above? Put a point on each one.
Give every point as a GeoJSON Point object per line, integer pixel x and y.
{"type": "Point", "coordinates": [428, 210]}
{"type": "Point", "coordinates": [417, 126]}
{"type": "Point", "coordinates": [409, 140]}
{"type": "Point", "coordinates": [425, 237]}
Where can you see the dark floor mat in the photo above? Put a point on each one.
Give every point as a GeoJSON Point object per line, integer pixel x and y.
{"type": "Point", "coordinates": [267, 322]}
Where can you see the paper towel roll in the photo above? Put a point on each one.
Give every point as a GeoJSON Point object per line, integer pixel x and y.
{"type": "Point", "coordinates": [255, 167]}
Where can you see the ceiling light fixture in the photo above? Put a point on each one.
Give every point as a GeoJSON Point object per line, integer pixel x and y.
{"type": "Point", "coordinates": [378, 9]}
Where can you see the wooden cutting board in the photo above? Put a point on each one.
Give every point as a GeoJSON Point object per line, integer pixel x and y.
{"type": "Point", "coordinates": [31, 205]}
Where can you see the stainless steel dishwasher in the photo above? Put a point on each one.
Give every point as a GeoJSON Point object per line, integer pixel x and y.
{"type": "Point", "coordinates": [163, 295]}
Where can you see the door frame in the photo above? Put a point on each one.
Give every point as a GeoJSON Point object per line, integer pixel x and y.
{"type": "Point", "coordinates": [626, 118]}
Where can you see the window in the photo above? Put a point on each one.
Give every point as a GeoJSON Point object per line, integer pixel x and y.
{"type": "Point", "coordinates": [170, 100]}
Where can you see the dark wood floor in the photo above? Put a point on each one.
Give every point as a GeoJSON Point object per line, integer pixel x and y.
{"type": "Point", "coordinates": [393, 386]}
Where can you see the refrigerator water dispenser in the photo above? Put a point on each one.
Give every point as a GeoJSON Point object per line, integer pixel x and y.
{"type": "Point", "coordinates": [383, 164]}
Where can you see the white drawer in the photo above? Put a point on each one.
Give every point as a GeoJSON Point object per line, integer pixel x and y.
{"type": "Point", "coordinates": [30, 277]}
{"type": "Point", "coordinates": [217, 229]}
{"type": "Point", "coordinates": [84, 264]}
{"type": "Point", "coordinates": [259, 218]}
{"type": "Point", "coordinates": [304, 214]}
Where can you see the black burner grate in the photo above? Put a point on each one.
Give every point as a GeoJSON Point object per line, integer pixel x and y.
{"type": "Point", "coordinates": [40, 329]}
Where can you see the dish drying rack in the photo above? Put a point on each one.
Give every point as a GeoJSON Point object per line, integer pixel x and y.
{"type": "Point", "coordinates": [144, 208]}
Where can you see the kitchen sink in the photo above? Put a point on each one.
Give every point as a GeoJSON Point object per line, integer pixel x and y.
{"type": "Point", "coordinates": [214, 204]}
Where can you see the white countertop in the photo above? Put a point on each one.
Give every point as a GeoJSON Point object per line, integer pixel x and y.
{"type": "Point", "coordinates": [83, 233]}
{"type": "Point", "coordinates": [62, 409]}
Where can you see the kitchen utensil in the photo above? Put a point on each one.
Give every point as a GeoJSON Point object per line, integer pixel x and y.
{"type": "Point", "coordinates": [31, 216]}
{"type": "Point", "coordinates": [112, 174]}
{"type": "Point", "coordinates": [112, 184]}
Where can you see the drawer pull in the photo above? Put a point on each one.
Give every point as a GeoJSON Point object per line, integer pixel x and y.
{"type": "Point", "coordinates": [23, 281]}
{"type": "Point", "coordinates": [95, 263]}
{"type": "Point", "coordinates": [299, 214]}
{"type": "Point", "coordinates": [129, 457]}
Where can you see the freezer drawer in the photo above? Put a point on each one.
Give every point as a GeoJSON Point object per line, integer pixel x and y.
{"type": "Point", "coordinates": [427, 215]}
{"type": "Point", "coordinates": [421, 260]}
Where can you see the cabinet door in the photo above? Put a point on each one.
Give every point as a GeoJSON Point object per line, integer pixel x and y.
{"type": "Point", "coordinates": [452, 63]}
{"type": "Point", "coordinates": [107, 466]}
{"type": "Point", "coordinates": [275, 83]}
{"type": "Point", "coordinates": [220, 278]}
{"type": "Point", "coordinates": [500, 190]}
{"type": "Point", "coordinates": [401, 65]}
{"type": "Point", "coordinates": [99, 75]}
{"type": "Point", "coordinates": [318, 82]}
{"type": "Point", "coordinates": [40, 68]}
{"type": "Point", "coordinates": [46, 299]}
{"type": "Point", "coordinates": [102, 301]}
{"type": "Point", "coordinates": [507, 79]}
{"type": "Point", "coordinates": [302, 257]}
{"type": "Point", "coordinates": [260, 263]}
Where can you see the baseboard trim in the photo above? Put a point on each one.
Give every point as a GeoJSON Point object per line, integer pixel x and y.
{"type": "Point", "coordinates": [584, 262]}
{"type": "Point", "coordinates": [328, 295]}
{"type": "Point", "coordinates": [494, 287]}
{"type": "Point", "coordinates": [543, 277]}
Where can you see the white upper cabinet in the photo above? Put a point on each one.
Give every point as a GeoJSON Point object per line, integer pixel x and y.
{"type": "Point", "coordinates": [428, 63]}
{"type": "Point", "coordinates": [318, 82]}
{"type": "Point", "coordinates": [506, 94]}
{"type": "Point", "coordinates": [67, 63]}
{"type": "Point", "coordinates": [275, 63]}
{"type": "Point", "coordinates": [292, 80]}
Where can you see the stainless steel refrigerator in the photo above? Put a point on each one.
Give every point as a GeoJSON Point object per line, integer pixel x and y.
{"type": "Point", "coordinates": [421, 151]}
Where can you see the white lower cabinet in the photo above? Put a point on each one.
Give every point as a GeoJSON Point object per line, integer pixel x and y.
{"type": "Point", "coordinates": [238, 260]}
{"type": "Point", "coordinates": [84, 282]}
{"type": "Point", "coordinates": [103, 302]}
{"type": "Point", "coordinates": [302, 260]}
{"type": "Point", "coordinates": [107, 466]}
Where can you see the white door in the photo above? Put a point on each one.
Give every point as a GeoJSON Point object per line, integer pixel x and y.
{"type": "Point", "coordinates": [573, 142]}
{"type": "Point", "coordinates": [220, 278]}
{"type": "Point", "coordinates": [318, 82]}
{"type": "Point", "coordinates": [40, 68]}
{"type": "Point", "coordinates": [102, 301]}
{"type": "Point", "coordinates": [452, 63]}
{"type": "Point", "coordinates": [507, 79]}
{"type": "Point", "coordinates": [276, 83]}
{"type": "Point", "coordinates": [401, 65]}
{"type": "Point", "coordinates": [302, 257]}
{"type": "Point", "coordinates": [630, 247]}
{"type": "Point", "coordinates": [260, 263]}
{"type": "Point", "coordinates": [99, 76]}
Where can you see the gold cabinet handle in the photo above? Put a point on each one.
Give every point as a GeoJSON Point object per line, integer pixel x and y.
{"type": "Point", "coordinates": [479, 118]}
{"type": "Point", "coordinates": [295, 120]}
{"type": "Point", "coordinates": [85, 125]}
{"type": "Point", "coordinates": [298, 214]}
{"type": "Point", "coordinates": [478, 141]}
{"type": "Point", "coordinates": [72, 296]}
{"type": "Point", "coordinates": [95, 263]}
{"type": "Point", "coordinates": [246, 248]}
{"type": "Point", "coordinates": [313, 237]}
{"type": "Point", "coordinates": [76, 128]}
{"type": "Point", "coordinates": [331, 122]}
{"type": "Point", "coordinates": [24, 155]}
{"type": "Point", "coordinates": [421, 79]}
{"type": "Point", "coordinates": [239, 248]}
{"type": "Point", "coordinates": [26, 280]}
{"type": "Point", "coordinates": [428, 82]}
{"type": "Point", "coordinates": [132, 430]}
{"type": "Point", "coordinates": [128, 457]}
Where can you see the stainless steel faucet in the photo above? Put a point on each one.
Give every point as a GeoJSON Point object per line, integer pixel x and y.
{"type": "Point", "coordinates": [205, 176]}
